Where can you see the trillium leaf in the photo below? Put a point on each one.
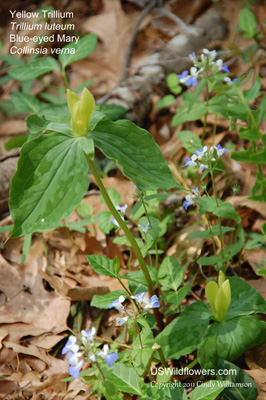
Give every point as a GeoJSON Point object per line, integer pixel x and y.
{"type": "Point", "coordinates": [184, 333]}
{"type": "Point", "coordinates": [136, 153]}
{"type": "Point", "coordinates": [229, 339]}
{"type": "Point", "coordinates": [51, 179]}
{"type": "Point", "coordinates": [208, 390]}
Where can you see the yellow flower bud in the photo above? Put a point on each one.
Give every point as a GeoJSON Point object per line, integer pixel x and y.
{"type": "Point", "coordinates": [219, 297]}
{"type": "Point", "coordinates": [81, 111]}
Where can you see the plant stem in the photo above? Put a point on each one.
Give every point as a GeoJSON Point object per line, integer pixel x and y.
{"type": "Point", "coordinates": [101, 372]}
{"type": "Point", "coordinates": [210, 228]}
{"type": "Point", "coordinates": [192, 364]}
{"type": "Point", "coordinates": [160, 352]}
{"type": "Point", "coordinates": [206, 115]}
{"type": "Point", "coordinates": [129, 235]}
{"type": "Point", "coordinates": [63, 73]}
{"type": "Point", "coordinates": [138, 333]}
{"type": "Point", "coordinates": [219, 218]}
{"type": "Point", "coordinates": [128, 292]}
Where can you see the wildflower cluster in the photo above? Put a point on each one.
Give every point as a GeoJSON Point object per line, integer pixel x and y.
{"type": "Point", "coordinates": [80, 349]}
{"type": "Point", "coordinates": [208, 64]}
{"type": "Point", "coordinates": [143, 301]}
{"type": "Point", "coordinates": [202, 158]}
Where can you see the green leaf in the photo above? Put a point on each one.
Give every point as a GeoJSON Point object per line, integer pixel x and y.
{"type": "Point", "coordinates": [83, 48]}
{"type": "Point", "coordinates": [16, 141]}
{"type": "Point", "coordinates": [191, 142]}
{"type": "Point", "coordinates": [35, 69]}
{"type": "Point", "coordinates": [51, 179]}
{"type": "Point", "coordinates": [228, 253]}
{"type": "Point", "coordinates": [229, 339]}
{"type": "Point", "coordinates": [36, 124]}
{"type": "Point", "coordinates": [24, 102]}
{"type": "Point", "coordinates": [103, 265]}
{"type": "Point", "coordinates": [184, 333]}
{"type": "Point", "coordinates": [10, 59]}
{"type": "Point", "coordinates": [249, 133]}
{"type": "Point", "coordinates": [175, 391]}
{"type": "Point", "coordinates": [207, 204]}
{"type": "Point", "coordinates": [215, 231]}
{"type": "Point", "coordinates": [103, 301]}
{"type": "Point", "coordinates": [227, 210]}
{"type": "Point", "coordinates": [84, 209]}
{"type": "Point", "coordinates": [126, 379]}
{"type": "Point", "coordinates": [254, 91]}
{"type": "Point", "coordinates": [26, 247]}
{"type": "Point", "coordinates": [242, 386]}
{"type": "Point", "coordinates": [171, 273]}
{"type": "Point", "coordinates": [247, 22]}
{"type": "Point", "coordinates": [136, 153]}
{"type": "Point", "coordinates": [141, 355]}
{"type": "Point", "coordinates": [166, 101]}
{"type": "Point", "coordinates": [184, 115]}
{"type": "Point", "coordinates": [114, 196]}
{"type": "Point", "coordinates": [109, 390]}
{"type": "Point", "coordinates": [177, 297]}
{"type": "Point", "coordinates": [103, 219]}
{"type": "Point", "coordinates": [244, 299]}
{"type": "Point", "coordinates": [208, 390]}
{"type": "Point", "coordinates": [113, 111]}
{"type": "Point", "coordinates": [249, 156]}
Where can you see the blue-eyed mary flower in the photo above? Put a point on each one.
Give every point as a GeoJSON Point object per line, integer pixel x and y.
{"type": "Point", "coordinates": [144, 228]}
{"type": "Point", "coordinates": [110, 358]}
{"type": "Point", "coordinates": [88, 336]}
{"type": "Point", "coordinates": [120, 321]}
{"type": "Point", "coordinates": [190, 198]}
{"type": "Point", "coordinates": [71, 345]}
{"type": "Point", "coordinates": [117, 303]}
{"type": "Point", "coordinates": [75, 363]}
{"type": "Point", "coordinates": [190, 162]}
{"type": "Point", "coordinates": [122, 209]}
{"type": "Point", "coordinates": [153, 302]}
{"type": "Point", "coordinates": [145, 302]}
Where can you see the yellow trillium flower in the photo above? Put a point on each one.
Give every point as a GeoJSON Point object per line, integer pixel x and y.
{"type": "Point", "coordinates": [219, 297]}
{"type": "Point", "coordinates": [81, 111]}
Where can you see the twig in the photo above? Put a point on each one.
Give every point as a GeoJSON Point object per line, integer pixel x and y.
{"type": "Point", "coordinates": [134, 32]}
{"type": "Point", "coordinates": [189, 30]}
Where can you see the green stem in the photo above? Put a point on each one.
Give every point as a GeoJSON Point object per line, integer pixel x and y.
{"type": "Point", "coordinates": [128, 292]}
{"type": "Point", "coordinates": [63, 73]}
{"type": "Point", "coordinates": [219, 218]}
{"type": "Point", "coordinates": [210, 228]}
{"type": "Point", "coordinates": [214, 130]}
{"type": "Point", "coordinates": [160, 352]}
{"type": "Point", "coordinates": [206, 115]}
{"type": "Point", "coordinates": [192, 364]}
{"type": "Point", "coordinates": [138, 333]}
{"type": "Point", "coordinates": [129, 235]}
{"type": "Point", "coordinates": [101, 372]}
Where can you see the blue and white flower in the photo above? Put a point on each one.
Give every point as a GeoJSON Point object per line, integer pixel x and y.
{"type": "Point", "coordinates": [122, 209]}
{"type": "Point", "coordinates": [117, 303]}
{"type": "Point", "coordinates": [220, 150]}
{"type": "Point", "coordinates": [71, 345]}
{"type": "Point", "coordinates": [189, 201]}
{"type": "Point", "coordinates": [121, 321]}
{"type": "Point", "coordinates": [139, 297]}
{"type": "Point", "coordinates": [203, 167]}
{"type": "Point", "coordinates": [110, 358]}
{"type": "Point", "coordinates": [88, 336]}
{"type": "Point", "coordinates": [183, 77]}
{"type": "Point", "coordinates": [145, 228]}
{"type": "Point", "coordinates": [75, 363]}
{"type": "Point", "coordinates": [191, 162]}
{"type": "Point", "coordinates": [153, 302]}
{"type": "Point", "coordinates": [200, 153]}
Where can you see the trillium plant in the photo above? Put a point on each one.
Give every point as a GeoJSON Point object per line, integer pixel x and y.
{"type": "Point", "coordinates": [153, 325]}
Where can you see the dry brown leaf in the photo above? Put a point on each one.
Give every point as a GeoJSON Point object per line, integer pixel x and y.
{"type": "Point", "coordinates": [255, 257]}
{"type": "Point", "coordinates": [260, 286]}
{"type": "Point", "coordinates": [259, 376]}
{"type": "Point", "coordinates": [3, 334]}
{"type": "Point", "coordinates": [113, 27]}
{"type": "Point", "coordinates": [259, 207]}
{"type": "Point", "coordinates": [29, 350]}
{"type": "Point", "coordinates": [27, 299]}
{"type": "Point", "coordinates": [13, 127]}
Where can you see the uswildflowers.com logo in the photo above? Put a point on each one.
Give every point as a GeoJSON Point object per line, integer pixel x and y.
{"type": "Point", "coordinates": [192, 372]}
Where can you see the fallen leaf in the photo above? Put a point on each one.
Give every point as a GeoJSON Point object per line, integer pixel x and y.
{"type": "Point", "coordinates": [3, 334]}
